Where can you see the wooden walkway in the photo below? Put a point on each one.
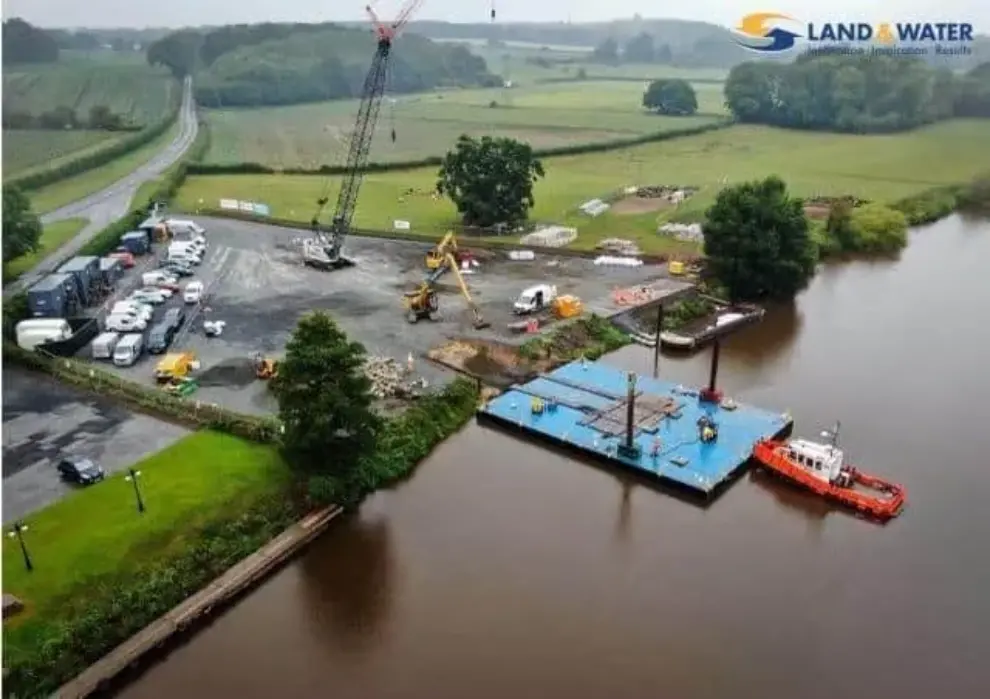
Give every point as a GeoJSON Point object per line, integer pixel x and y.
{"type": "Point", "coordinates": [238, 578]}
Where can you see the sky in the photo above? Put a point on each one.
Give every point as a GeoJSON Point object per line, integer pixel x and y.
{"type": "Point", "coordinates": [177, 13]}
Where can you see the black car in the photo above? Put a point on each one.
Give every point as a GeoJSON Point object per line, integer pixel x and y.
{"type": "Point", "coordinates": [160, 337]}
{"type": "Point", "coordinates": [77, 469]}
{"type": "Point", "coordinates": [174, 318]}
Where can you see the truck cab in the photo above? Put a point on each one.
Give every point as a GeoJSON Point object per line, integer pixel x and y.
{"type": "Point", "coordinates": [534, 299]}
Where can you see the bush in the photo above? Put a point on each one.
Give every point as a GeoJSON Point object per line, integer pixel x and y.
{"type": "Point", "coordinates": [589, 337]}
{"type": "Point", "coordinates": [876, 228]}
{"type": "Point", "coordinates": [976, 196]}
{"type": "Point", "coordinates": [929, 206]}
{"type": "Point", "coordinates": [100, 157]}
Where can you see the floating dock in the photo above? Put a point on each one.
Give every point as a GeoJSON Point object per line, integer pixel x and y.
{"type": "Point", "coordinates": [687, 438]}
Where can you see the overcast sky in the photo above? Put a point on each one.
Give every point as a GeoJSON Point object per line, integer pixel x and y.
{"type": "Point", "coordinates": [175, 13]}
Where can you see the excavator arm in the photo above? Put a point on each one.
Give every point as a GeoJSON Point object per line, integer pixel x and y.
{"type": "Point", "coordinates": [479, 320]}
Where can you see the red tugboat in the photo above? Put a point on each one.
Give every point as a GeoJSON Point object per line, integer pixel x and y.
{"type": "Point", "coordinates": [822, 469]}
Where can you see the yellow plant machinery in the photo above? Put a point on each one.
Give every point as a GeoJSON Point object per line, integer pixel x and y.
{"type": "Point", "coordinates": [423, 301]}
{"type": "Point", "coordinates": [437, 257]}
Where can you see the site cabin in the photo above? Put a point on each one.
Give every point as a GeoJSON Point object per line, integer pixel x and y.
{"type": "Point", "coordinates": [534, 299]}
{"type": "Point", "coordinates": [822, 461]}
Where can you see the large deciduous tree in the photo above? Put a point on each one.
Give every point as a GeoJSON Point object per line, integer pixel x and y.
{"type": "Point", "coordinates": [325, 401]}
{"type": "Point", "coordinates": [757, 242]}
{"type": "Point", "coordinates": [25, 43]}
{"type": "Point", "coordinates": [490, 180]}
{"type": "Point", "coordinates": [21, 227]}
{"type": "Point", "coordinates": [673, 97]}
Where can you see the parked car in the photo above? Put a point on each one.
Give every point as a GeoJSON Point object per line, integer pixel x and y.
{"type": "Point", "coordinates": [174, 318]}
{"type": "Point", "coordinates": [158, 277]}
{"type": "Point", "coordinates": [160, 337]}
{"type": "Point", "coordinates": [148, 295]}
{"type": "Point", "coordinates": [126, 323]}
{"type": "Point", "coordinates": [193, 292]}
{"type": "Point", "coordinates": [126, 258]}
{"type": "Point", "coordinates": [131, 308]}
{"type": "Point", "coordinates": [77, 469]}
{"type": "Point", "coordinates": [164, 290]}
{"type": "Point", "coordinates": [179, 269]}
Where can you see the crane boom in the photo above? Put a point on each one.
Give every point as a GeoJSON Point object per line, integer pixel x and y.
{"type": "Point", "coordinates": [360, 145]}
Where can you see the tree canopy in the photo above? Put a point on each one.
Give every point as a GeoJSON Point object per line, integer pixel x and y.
{"type": "Point", "coordinates": [273, 64]}
{"type": "Point", "coordinates": [21, 227]}
{"type": "Point", "coordinates": [757, 242]}
{"type": "Point", "coordinates": [490, 180]}
{"type": "Point", "coordinates": [854, 93]}
{"type": "Point", "coordinates": [674, 97]}
{"type": "Point", "coordinates": [324, 400]}
{"type": "Point", "coordinates": [25, 43]}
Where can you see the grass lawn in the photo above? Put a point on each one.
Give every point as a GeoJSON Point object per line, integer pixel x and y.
{"type": "Point", "coordinates": [884, 168]}
{"type": "Point", "coordinates": [97, 530]}
{"type": "Point", "coordinates": [24, 151]}
{"type": "Point", "coordinates": [85, 183]}
{"type": "Point", "coordinates": [124, 82]}
{"type": "Point", "coordinates": [54, 236]}
{"type": "Point", "coordinates": [546, 116]}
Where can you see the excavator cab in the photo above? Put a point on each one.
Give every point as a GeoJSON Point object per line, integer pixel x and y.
{"type": "Point", "coordinates": [264, 368]}
{"type": "Point", "coordinates": [421, 303]}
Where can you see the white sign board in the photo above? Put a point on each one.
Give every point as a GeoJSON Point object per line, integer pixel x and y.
{"type": "Point", "coordinates": [229, 204]}
{"type": "Point", "coordinates": [400, 225]}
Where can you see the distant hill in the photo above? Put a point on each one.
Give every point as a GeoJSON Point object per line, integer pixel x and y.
{"type": "Point", "coordinates": [276, 64]}
{"type": "Point", "coordinates": [689, 44]}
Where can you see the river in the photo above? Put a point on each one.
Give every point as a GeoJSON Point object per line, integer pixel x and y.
{"type": "Point", "coordinates": [506, 570]}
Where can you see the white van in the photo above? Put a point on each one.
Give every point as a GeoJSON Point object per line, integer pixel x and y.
{"type": "Point", "coordinates": [184, 227]}
{"type": "Point", "coordinates": [125, 323]}
{"type": "Point", "coordinates": [128, 350]}
{"type": "Point", "coordinates": [132, 308]}
{"type": "Point", "coordinates": [31, 333]}
{"type": "Point", "coordinates": [104, 345]}
{"type": "Point", "coordinates": [185, 247]}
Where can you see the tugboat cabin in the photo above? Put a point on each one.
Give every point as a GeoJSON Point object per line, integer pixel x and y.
{"type": "Point", "coordinates": [822, 461]}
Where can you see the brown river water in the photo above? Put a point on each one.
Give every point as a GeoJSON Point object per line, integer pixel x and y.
{"type": "Point", "coordinates": [505, 570]}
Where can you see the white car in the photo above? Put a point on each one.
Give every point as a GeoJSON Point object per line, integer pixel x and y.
{"type": "Point", "coordinates": [157, 277]}
{"type": "Point", "coordinates": [164, 291]}
{"type": "Point", "coordinates": [131, 308]}
{"type": "Point", "coordinates": [125, 323]}
{"type": "Point", "coordinates": [193, 292]}
{"type": "Point", "coordinates": [152, 296]}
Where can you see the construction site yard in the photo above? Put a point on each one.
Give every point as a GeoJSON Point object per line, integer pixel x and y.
{"type": "Point", "coordinates": [258, 286]}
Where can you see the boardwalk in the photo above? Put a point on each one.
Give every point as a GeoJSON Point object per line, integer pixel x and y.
{"type": "Point", "coordinates": [242, 575]}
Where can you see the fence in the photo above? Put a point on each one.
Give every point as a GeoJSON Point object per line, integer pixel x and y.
{"type": "Point", "coordinates": [148, 399]}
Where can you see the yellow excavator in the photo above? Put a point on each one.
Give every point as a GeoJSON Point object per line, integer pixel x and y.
{"type": "Point", "coordinates": [437, 257]}
{"type": "Point", "coordinates": [423, 302]}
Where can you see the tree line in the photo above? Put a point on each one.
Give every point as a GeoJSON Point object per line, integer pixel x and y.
{"type": "Point", "coordinates": [275, 64]}
{"type": "Point", "coordinates": [100, 118]}
{"type": "Point", "coordinates": [25, 43]}
{"type": "Point", "coordinates": [854, 93]}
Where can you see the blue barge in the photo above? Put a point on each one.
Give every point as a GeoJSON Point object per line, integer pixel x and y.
{"type": "Point", "coordinates": [687, 438]}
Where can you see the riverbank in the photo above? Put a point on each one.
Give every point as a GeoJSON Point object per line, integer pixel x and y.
{"type": "Point", "coordinates": [225, 589]}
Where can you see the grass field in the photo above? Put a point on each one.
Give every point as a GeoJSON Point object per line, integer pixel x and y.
{"type": "Point", "coordinates": [85, 183]}
{"type": "Point", "coordinates": [54, 236]}
{"type": "Point", "coordinates": [546, 116]}
{"type": "Point", "coordinates": [884, 168]}
{"type": "Point", "coordinates": [123, 82]}
{"type": "Point", "coordinates": [24, 151]}
{"type": "Point", "coordinates": [97, 530]}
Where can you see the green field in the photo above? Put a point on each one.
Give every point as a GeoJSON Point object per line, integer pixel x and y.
{"type": "Point", "coordinates": [54, 236]}
{"type": "Point", "coordinates": [124, 83]}
{"type": "Point", "coordinates": [97, 530]}
{"type": "Point", "coordinates": [24, 151]}
{"type": "Point", "coordinates": [546, 116]}
{"type": "Point", "coordinates": [884, 168]}
{"type": "Point", "coordinates": [91, 181]}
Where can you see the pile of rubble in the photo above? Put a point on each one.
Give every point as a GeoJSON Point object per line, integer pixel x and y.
{"type": "Point", "coordinates": [390, 379]}
{"type": "Point", "coordinates": [690, 232]}
{"type": "Point", "coordinates": [550, 237]}
{"type": "Point", "coordinates": [675, 195]}
{"type": "Point", "coordinates": [619, 246]}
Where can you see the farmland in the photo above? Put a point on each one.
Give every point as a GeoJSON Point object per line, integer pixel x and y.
{"type": "Point", "coordinates": [128, 86]}
{"type": "Point", "coordinates": [546, 116]}
{"type": "Point", "coordinates": [883, 168]}
{"type": "Point", "coordinates": [27, 150]}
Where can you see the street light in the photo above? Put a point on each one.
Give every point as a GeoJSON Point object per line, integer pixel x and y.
{"type": "Point", "coordinates": [132, 476]}
{"type": "Point", "coordinates": [17, 532]}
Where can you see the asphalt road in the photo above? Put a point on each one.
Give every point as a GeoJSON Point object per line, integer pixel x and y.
{"type": "Point", "coordinates": [112, 203]}
{"type": "Point", "coordinates": [44, 420]}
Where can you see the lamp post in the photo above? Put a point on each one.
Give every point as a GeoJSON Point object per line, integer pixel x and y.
{"type": "Point", "coordinates": [17, 532]}
{"type": "Point", "coordinates": [132, 476]}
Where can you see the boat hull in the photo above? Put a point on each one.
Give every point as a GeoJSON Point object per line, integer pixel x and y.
{"type": "Point", "coordinates": [887, 504]}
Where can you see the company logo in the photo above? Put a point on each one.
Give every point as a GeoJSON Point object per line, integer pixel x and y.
{"type": "Point", "coordinates": [772, 32]}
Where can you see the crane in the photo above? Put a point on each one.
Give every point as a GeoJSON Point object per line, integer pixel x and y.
{"type": "Point", "coordinates": [325, 250]}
